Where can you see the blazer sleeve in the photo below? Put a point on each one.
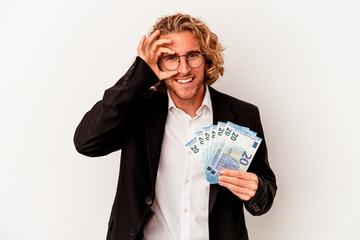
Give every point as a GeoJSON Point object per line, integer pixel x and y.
{"type": "Point", "coordinates": [265, 194]}
{"type": "Point", "coordinates": [102, 129]}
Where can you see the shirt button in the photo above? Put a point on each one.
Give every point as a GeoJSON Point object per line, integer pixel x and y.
{"type": "Point", "coordinates": [190, 123]}
{"type": "Point", "coordinates": [132, 232]}
{"type": "Point", "coordinates": [148, 200]}
{"type": "Point", "coordinates": [185, 210]}
{"type": "Point", "coordinates": [187, 180]}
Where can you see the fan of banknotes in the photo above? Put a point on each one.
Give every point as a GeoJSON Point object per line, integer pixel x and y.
{"type": "Point", "coordinates": [225, 145]}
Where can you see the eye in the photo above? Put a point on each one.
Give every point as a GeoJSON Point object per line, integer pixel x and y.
{"type": "Point", "coordinates": [193, 55]}
{"type": "Point", "coordinates": [171, 58]}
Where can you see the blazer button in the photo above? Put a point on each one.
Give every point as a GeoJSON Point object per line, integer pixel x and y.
{"type": "Point", "coordinates": [124, 83]}
{"type": "Point", "coordinates": [132, 232]}
{"type": "Point", "coordinates": [148, 200]}
{"type": "Point", "coordinates": [256, 208]}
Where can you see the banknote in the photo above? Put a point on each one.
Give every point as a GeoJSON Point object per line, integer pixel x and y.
{"type": "Point", "coordinates": [218, 140]}
{"type": "Point", "coordinates": [201, 145]}
{"type": "Point", "coordinates": [225, 133]}
{"type": "Point", "coordinates": [238, 151]}
{"type": "Point", "coordinates": [195, 146]}
{"type": "Point", "coordinates": [206, 131]}
{"type": "Point", "coordinates": [225, 145]}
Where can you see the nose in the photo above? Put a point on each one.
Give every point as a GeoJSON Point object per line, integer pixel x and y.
{"type": "Point", "coordinates": [184, 67]}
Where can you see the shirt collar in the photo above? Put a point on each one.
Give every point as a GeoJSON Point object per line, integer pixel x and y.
{"type": "Point", "coordinates": [205, 103]}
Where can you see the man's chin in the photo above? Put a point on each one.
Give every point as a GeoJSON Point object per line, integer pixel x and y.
{"type": "Point", "coordinates": [186, 96]}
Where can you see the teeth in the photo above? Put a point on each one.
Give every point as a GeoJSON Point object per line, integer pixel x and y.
{"type": "Point", "coordinates": [184, 80]}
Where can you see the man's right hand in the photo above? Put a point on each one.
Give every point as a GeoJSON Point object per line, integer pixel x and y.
{"type": "Point", "coordinates": [150, 50]}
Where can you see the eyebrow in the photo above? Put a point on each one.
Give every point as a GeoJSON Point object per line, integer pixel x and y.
{"type": "Point", "coordinates": [191, 51]}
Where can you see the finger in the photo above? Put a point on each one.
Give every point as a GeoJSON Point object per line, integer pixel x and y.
{"type": "Point", "coordinates": [151, 38]}
{"type": "Point", "coordinates": [168, 74]}
{"type": "Point", "coordinates": [238, 190]}
{"type": "Point", "coordinates": [154, 35]}
{"type": "Point", "coordinates": [163, 50]}
{"type": "Point", "coordinates": [243, 193]}
{"type": "Point", "coordinates": [239, 174]}
{"type": "Point", "coordinates": [159, 43]}
{"type": "Point", "coordinates": [140, 47]}
{"type": "Point", "coordinates": [239, 182]}
{"type": "Point", "coordinates": [243, 197]}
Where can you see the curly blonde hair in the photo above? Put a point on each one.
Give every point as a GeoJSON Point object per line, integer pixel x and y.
{"type": "Point", "coordinates": [208, 43]}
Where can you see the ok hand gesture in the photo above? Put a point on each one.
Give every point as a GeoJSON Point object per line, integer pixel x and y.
{"type": "Point", "coordinates": [150, 50]}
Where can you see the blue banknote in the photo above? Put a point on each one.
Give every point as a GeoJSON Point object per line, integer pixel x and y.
{"type": "Point", "coordinates": [225, 145]}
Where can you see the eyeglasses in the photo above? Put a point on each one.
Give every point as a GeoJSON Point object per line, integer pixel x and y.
{"type": "Point", "coordinates": [193, 59]}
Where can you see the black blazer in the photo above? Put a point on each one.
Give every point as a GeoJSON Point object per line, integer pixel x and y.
{"type": "Point", "coordinates": [132, 117]}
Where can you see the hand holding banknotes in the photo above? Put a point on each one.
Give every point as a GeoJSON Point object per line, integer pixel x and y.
{"type": "Point", "coordinates": [150, 50]}
{"type": "Point", "coordinates": [242, 184]}
{"type": "Point", "coordinates": [226, 151]}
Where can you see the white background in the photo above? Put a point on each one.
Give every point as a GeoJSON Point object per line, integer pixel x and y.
{"type": "Point", "coordinates": [298, 61]}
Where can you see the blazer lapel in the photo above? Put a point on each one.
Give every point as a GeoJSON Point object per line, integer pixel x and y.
{"type": "Point", "coordinates": [221, 112]}
{"type": "Point", "coordinates": [155, 126]}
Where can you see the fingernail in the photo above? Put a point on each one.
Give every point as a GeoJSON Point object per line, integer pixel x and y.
{"type": "Point", "coordinates": [223, 171]}
{"type": "Point", "coordinates": [221, 178]}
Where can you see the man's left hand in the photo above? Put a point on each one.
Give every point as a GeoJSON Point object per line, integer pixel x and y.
{"type": "Point", "coordinates": [242, 184]}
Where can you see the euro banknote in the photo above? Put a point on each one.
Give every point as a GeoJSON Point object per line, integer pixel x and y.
{"type": "Point", "coordinates": [225, 145]}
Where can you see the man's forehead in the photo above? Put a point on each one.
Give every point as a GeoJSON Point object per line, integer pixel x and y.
{"type": "Point", "coordinates": [181, 41]}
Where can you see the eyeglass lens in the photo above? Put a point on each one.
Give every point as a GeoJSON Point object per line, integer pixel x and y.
{"type": "Point", "coordinates": [193, 59]}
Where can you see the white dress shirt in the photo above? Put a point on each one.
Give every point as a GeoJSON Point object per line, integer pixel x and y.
{"type": "Point", "coordinates": [181, 205]}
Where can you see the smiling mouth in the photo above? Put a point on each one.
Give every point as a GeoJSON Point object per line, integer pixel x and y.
{"type": "Point", "coordinates": [184, 80]}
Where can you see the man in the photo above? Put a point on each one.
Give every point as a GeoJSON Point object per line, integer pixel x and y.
{"type": "Point", "coordinates": [162, 192]}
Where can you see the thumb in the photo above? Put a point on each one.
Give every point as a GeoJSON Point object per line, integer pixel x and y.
{"type": "Point", "coordinates": [166, 75]}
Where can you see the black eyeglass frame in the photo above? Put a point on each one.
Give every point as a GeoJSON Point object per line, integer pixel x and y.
{"type": "Point", "coordinates": [186, 57]}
